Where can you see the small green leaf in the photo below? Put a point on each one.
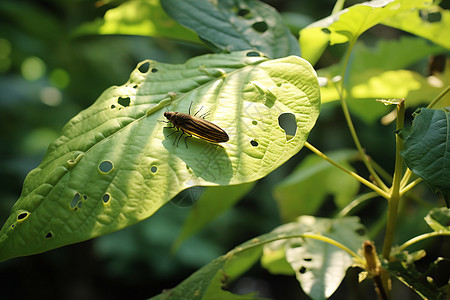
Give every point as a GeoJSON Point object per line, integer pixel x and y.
{"type": "Point", "coordinates": [213, 201]}
{"type": "Point", "coordinates": [305, 190]}
{"type": "Point", "coordinates": [144, 17]}
{"type": "Point", "coordinates": [229, 25]}
{"type": "Point", "coordinates": [439, 219]}
{"type": "Point", "coordinates": [427, 148]}
{"type": "Point", "coordinates": [115, 163]}
{"type": "Point", "coordinates": [350, 23]}
{"type": "Point", "coordinates": [313, 260]}
{"type": "Point", "coordinates": [403, 268]}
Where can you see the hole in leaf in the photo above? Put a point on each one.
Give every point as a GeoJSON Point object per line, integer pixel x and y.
{"type": "Point", "coordinates": [144, 67]}
{"type": "Point", "coordinates": [135, 86]}
{"type": "Point", "coordinates": [84, 197]}
{"type": "Point", "coordinates": [75, 200]}
{"type": "Point", "coordinates": [13, 225]}
{"type": "Point", "coordinates": [105, 167]}
{"type": "Point", "coordinates": [22, 216]}
{"type": "Point", "coordinates": [307, 259]}
{"type": "Point", "coordinates": [153, 169]}
{"type": "Point", "coordinates": [243, 12]}
{"type": "Point", "coordinates": [430, 17]}
{"type": "Point", "coordinates": [106, 197]}
{"type": "Point", "coordinates": [253, 54]}
{"type": "Point", "coordinates": [80, 204]}
{"type": "Point", "coordinates": [154, 70]}
{"type": "Point", "coordinates": [124, 101]}
{"type": "Point", "coordinates": [260, 27]}
{"type": "Point", "coordinates": [113, 106]}
{"type": "Point", "coordinates": [255, 122]}
{"type": "Point", "coordinates": [360, 231]}
{"type": "Point", "coordinates": [288, 123]}
{"type": "Point", "coordinates": [326, 30]}
{"type": "Point", "coordinates": [254, 143]}
{"type": "Point", "coordinates": [302, 270]}
{"type": "Point", "coordinates": [49, 235]}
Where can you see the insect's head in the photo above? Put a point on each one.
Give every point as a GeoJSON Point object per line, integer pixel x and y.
{"type": "Point", "coordinates": [169, 114]}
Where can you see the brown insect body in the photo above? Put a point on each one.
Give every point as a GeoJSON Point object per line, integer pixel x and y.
{"type": "Point", "coordinates": [197, 126]}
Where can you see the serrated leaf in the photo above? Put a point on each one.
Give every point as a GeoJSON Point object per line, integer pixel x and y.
{"type": "Point", "coordinates": [350, 23]}
{"type": "Point", "coordinates": [142, 17]}
{"type": "Point", "coordinates": [229, 25]}
{"type": "Point", "coordinates": [439, 219]}
{"type": "Point", "coordinates": [214, 201]}
{"type": "Point", "coordinates": [115, 165]}
{"type": "Point", "coordinates": [427, 148]}
{"type": "Point", "coordinates": [305, 189]}
{"type": "Point", "coordinates": [319, 267]}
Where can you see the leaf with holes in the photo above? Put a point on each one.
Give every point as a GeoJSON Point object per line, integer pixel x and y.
{"type": "Point", "coordinates": [320, 267]}
{"type": "Point", "coordinates": [427, 148]}
{"type": "Point", "coordinates": [116, 163]}
{"type": "Point", "coordinates": [230, 25]}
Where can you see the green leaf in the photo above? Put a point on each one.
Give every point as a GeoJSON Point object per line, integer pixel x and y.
{"type": "Point", "coordinates": [439, 219]}
{"type": "Point", "coordinates": [427, 148]}
{"type": "Point", "coordinates": [115, 165]}
{"type": "Point", "coordinates": [141, 17]}
{"type": "Point", "coordinates": [431, 22]}
{"type": "Point", "coordinates": [350, 23]}
{"type": "Point", "coordinates": [208, 282]}
{"type": "Point", "coordinates": [305, 189]}
{"type": "Point", "coordinates": [214, 201]}
{"type": "Point", "coordinates": [229, 25]}
{"type": "Point", "coordinates": [403, 268]}
{"type": "Point", "coordinates": [313, 260]}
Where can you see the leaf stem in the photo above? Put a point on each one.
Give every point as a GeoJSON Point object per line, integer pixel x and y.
{"type": "Point", "coordinates": [394, 198]}
{"type": "Point", "coordinates": [422, 237]}
{"type": "Point", "coordinates": [360, 199]}
{"type": "Point", "coordinates": [367, 183]}
{"type": "Point", "coordinates": [410, 186]}
{"type": "Point", "coordinates": [344, 106]}
{"type": "Point", "coordinates": [439, 97]}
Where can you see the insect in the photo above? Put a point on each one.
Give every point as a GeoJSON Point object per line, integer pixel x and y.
{"type": "Point", "coordinates": [191, 125]}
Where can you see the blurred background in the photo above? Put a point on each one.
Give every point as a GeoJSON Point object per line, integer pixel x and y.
{"type": "Point", "coordinates": [48, 74]}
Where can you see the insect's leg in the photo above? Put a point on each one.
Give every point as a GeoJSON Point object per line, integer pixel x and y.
{"type": "Point", "coordinates": [188, 135]}
{"type": "Point", "coordinates": [205, 114]}
{"type": "Point", "coordinates": [173, 131]}
{"type": "Point", "coordinates": [179, 137]}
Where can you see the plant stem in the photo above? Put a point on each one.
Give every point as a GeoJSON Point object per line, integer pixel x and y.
{"type": "Point", "coordinates": [394, 198]}
{"type": "Point", "coordinates": [369, 167]}
{"type": "Point", "coordinates": [439, 97]}
{"type": "Point", "coordinates": [410, 186]}
{"type": "Point", "coordinates": [367, 183]}
{"type": "Point", "coordinates": [422, 237]}
{"type": "Point", "coordinates": [360, 199]}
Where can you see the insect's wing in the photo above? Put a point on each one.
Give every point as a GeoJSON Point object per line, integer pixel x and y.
{"type": "Point", "coordinates": [204, 129]}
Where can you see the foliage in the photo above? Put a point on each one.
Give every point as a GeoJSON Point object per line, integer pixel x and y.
{"type": "Point", "coordinates": [115, 164]}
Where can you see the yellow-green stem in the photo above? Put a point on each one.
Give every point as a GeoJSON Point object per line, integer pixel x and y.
{"type": "Point", "coordinates": [394, 198]}
{"type": "Point", "coordinates": [439, 97]}
{"type": "Point", "coordinates": [421, 238]}
{"type": "Point", "coordinates": [353, 174]}
{"type": "Point", "coordinates": [369, 167]}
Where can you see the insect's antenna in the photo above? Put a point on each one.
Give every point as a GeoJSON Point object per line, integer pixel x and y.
{"type": "Point", "coordinates": [190, 107]}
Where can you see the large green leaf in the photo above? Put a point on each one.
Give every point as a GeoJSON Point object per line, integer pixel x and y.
{"type": "Point", "coordinates": [427, 148]}
{"type": "Point", "coordinates": [230, 25]}
{"type": "Point", "coordinates": [115, 164]}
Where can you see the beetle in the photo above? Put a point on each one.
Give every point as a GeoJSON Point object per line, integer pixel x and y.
{"type": "Point", "coordinates": [191, 125]}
